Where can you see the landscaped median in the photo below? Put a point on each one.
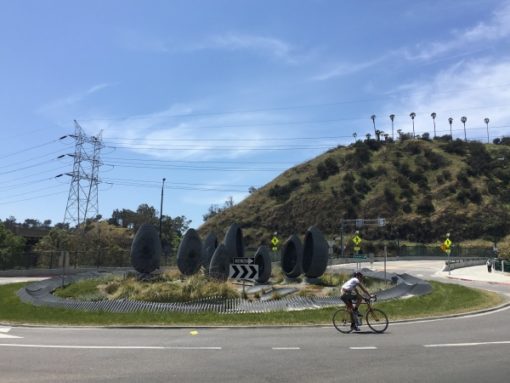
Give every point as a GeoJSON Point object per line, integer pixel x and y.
{"type": "Point", "coordinates": [445, 299]}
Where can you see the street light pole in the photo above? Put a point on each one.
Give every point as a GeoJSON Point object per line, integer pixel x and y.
{"type": "Point", "coordinates": [161, 209]}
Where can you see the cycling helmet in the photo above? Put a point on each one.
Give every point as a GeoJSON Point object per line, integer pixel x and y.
{"type": "Point", "coordinates": [358, 274]}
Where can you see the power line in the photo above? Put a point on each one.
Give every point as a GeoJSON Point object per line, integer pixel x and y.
{"type": "Point", "coordinates": [31, 198]}
{"type": "Point", "coordinates": [290, 107]}
{"type": "Point", "coordinates": [182, 167]}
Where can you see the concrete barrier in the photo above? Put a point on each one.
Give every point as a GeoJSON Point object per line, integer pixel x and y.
{"type": "Point", "coordinates": [464, 262]}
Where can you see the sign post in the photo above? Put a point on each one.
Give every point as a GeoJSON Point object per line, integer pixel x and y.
{"type": "Point", "coordinates": [447, 249]}
{"type": "Point", "coordinates": [275, 242]}
{"type": "Point", "coordinates": [243, 269]}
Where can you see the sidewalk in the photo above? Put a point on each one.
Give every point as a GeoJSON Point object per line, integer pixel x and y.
{"type": "Point", "coordinates": [8, 280]}
{"type": "Point", "coordinates": [477, 273]}
{"type": "Point", "coordinates": [430, 268]}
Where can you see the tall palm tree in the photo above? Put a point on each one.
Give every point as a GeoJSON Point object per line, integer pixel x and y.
{"type": "Point", "coordinates": [413, 115]}
{"type": "Point", "coordinates": [463, 119]}
{"type": "Point", "coordinates": [372, 117]}
{"type": "Point", "coordinates": [450, 120]}
{"type": "Point", "coordinates": [433, 115]}
{"type": "Point", "coordinates": [392, 117]}
{"type": "Point", "coordinates": [486, 120]}
{"type": "Point", "coordinates": [355, 135]}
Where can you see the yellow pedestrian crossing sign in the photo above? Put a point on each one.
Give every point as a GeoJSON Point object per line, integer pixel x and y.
{"type": "Point", "coordinates": [275, 241]}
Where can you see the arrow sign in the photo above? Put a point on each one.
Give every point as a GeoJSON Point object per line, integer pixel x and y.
{"type": "Point", "coordinates": [250, 272]}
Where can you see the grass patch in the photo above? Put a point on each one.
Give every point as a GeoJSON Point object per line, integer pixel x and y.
{"type": "Point", "coordinates": [444, 299]}
{"type": "Point", "coordinates": [167, 288]}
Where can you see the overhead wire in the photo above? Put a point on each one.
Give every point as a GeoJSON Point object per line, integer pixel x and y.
{"type": "Point", "coordinates": [383, 96]}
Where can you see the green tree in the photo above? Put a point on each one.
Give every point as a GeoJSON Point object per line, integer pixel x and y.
{"type": "Point", "coordinates": [11, 247]}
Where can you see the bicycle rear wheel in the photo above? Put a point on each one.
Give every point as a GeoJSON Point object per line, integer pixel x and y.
{"type": "Point", "coordinates": [377, 320]}
{"type": "Point", "coordinates": [342, 320]}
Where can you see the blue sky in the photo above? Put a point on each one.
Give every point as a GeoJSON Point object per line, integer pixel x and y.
{"type": "Point", "coordinates": [219, 96]}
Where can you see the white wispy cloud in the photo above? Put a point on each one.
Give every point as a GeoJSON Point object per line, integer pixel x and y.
{"type": "Point", "coordinates": [475, 89]}
{"type": "Point", "coordinates": [179, 133]}
{"type": "Point", "coordinates": [260, 45]}
{"type": "Point", "coordinates": [493, 30]}
{"type": "Point", "coordinates": [344, 68]}
{"type": "Point", "coordinates": [461, 43]}
{"type": "Point", "coordinates": [73, 99]}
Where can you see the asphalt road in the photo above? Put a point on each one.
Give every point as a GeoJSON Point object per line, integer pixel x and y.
{"type": "Point", "coordinates": [467, 349]}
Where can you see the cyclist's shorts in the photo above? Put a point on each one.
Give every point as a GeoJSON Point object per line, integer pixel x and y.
{"type": "Point", "coordinates": [348, 297]}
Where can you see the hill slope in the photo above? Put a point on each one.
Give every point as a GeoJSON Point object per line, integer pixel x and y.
{"type": "Point", "coordinates": [424, 189]}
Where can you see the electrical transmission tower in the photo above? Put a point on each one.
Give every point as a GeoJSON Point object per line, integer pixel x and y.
{"type": "Point", "coordinates": [83, 199]}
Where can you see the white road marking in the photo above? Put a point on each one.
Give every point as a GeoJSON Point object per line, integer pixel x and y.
{"type": "Point", "coordinates": [364, 348]}
{"type": "Point", "coordinates": [7, 336]}
{"type": "Point", "coordinates": [5, 329]}
{"type": "Point", "coordinates": [107, 347]}
{"type": "Point", "coordinates": [460, 316]}
{"type": "Point", "coordinates": [465, 344]}
{"type": "Point", "coordinates": [286, 348]}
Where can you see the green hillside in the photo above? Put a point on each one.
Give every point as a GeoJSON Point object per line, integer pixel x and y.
{"type": "Point", "coordinates": [424, 188]}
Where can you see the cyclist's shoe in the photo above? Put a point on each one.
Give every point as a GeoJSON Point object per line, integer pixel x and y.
{"type": "Point", "coordinates": [354, 327]}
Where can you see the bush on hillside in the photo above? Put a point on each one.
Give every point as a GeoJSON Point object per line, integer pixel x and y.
{"type": "Point", "coordinates": [327, 168]}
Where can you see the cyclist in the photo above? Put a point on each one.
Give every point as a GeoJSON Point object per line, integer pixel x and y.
{"type": "Point", "coordinates": [349, 292]}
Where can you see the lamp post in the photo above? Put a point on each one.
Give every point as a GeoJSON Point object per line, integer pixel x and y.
{"type": "Point", "coordinates": [161, 210]}
{"type": "Point", "coordinates": [486, 120]}
{"type": "Point", "coordinates": [413, 115]}
{"type": "Point", "coordinates": [433, 115]}
{"type": "Point", "coordinates": [392, 117]}
{"type": "Point", "coordinates": [450, 121]}
{"type": "Point", "coordinates": [463, 119]}
{"type": "Point", "coordinates": [372, 117]}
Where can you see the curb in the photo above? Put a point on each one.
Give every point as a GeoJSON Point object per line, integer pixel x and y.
{"type": "Point", "coordinates": [477, 280]}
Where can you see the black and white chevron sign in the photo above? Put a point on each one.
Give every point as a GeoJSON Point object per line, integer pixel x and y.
{"type": "Point", "coordinates": [250, 272]}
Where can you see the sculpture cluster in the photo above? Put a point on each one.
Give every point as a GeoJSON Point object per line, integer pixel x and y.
{"type": "Point", "coordinates": [215, 258]}
{"type": "Point", "coordinates": [310, 258]}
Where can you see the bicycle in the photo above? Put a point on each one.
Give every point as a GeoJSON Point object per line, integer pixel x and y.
{"type": "Point", "coordinates": [376, 319]}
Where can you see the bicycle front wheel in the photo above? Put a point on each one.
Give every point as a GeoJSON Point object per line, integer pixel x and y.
{"type": "Point", "coordinates": [377, 320]}
{"type": "Point", "coordinates": [342, 320]}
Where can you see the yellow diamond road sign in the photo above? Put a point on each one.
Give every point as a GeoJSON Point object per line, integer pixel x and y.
{"type": "Point", "coordinates": [275, 241]}
{"type": "Point", "coordinates": [356, 240]}
{"type": "Point", "coordinates": [447, 243]}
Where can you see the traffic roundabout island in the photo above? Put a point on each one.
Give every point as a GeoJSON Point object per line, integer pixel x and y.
{"type": "Point", "coordinates": [272, 297]}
